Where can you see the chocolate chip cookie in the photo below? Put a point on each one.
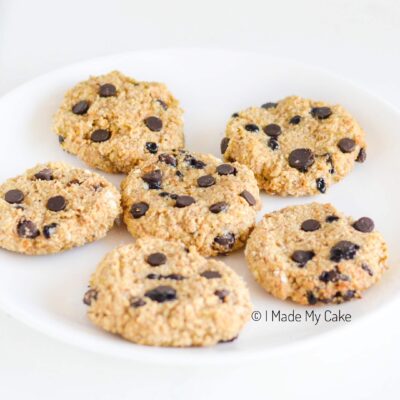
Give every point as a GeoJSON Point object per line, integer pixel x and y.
{"type": "Point", "coordinates": [194, 198]}
{"type": "Point", "coordinates": [53, 207]}
{"type": "Point", "coordinates": [295, 147]}
{"type": "Point", "coordinates": [158, 293]}
{"type": "Point", "coordinates": [113, 121]}
{"type": "Point", "coordinates": [313, 253]}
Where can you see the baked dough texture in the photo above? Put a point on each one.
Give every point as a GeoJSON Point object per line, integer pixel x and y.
{"type": "Point", "coordinates": [295, 147]}
{"type": "Point", "coordinates": [53, 207]}
{"type": "Point", "coordinates": [158, 293]}
{"type": "Point", "coordinates": [314, 253]}
{"type": "Point", "coordinates": [112, 121]}
{"type": "Point", "coordinates": [193, 198]}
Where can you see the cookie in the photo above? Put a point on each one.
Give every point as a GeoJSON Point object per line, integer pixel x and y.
{"type": "Point", "coordinates": [158, 293]}
{"type": "Point", "coordinates": [295, 147]}
{"type": "Point", "coordinates": [313, 253]}
{"type": "Point", "coordinates": [112, 121]}
{"type": "Point", "coordinates": [53, 207]}
{"type": "Point", "coordinates": [191, 197]}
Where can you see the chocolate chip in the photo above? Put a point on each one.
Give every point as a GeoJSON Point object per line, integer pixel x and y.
{"type": "Point", "coordinates": [175, 277]}
{"type": "Point", "coordinates": [168, 159]}
{"type": "Point", "coordinates": [193, 162]}
{"type": "Point", "coordinates": [235, 115]}
{"type": "Point", "coordinates": [311, 298]}
{"type": "Point", "coordinates": [272, 130]}
{"type": "Point", "coordinates": [44, 175]}
{"type": "Point", "coordinates": [269, 105]}
{"type": "Point", "coordinates": [346, 145]}
{"type": "Point", "coordinates": [153, 276]}
{"type": "Point", "coordinates": [330, 161]}
{"type": "Point", "coordinates": [184, 201]}
{"type": "Point", "coordinates": [343, 250]}
{"type": "Point", "coordinates": [61, 139]}
{"type": "Point", "coordinates": [226, 240]}
{"type": "Point", "coordinates": [348, 295]}
{"type": "Point", "coordinates": [56, 203]}
{"type": "Point", "coordinates": [273, 144]}
{"type": "Point", "coordinates": [367, 269]}
{"type": "Point", "coordinates": [222, 294]}
{"type": "Point", "coordinates": [161, 294]}
{"type": "Point", "coordinates": [206, 181]}
{"type": "Point", "coordinates": [156, 259]}
{"type": "Point", "coordinates": [333, 275]}
{"type": "Point", "coordinates": [136, 303]}
{"type": "Point", "coordinates": [224, 144]}
{"type": "Point", "coordinates": [331, 218]}
{"type": "Point", "coordinates": [211, 274]}
{"type": "Point", "coordinates": [310, 225]}
{"type": "Point", "coordinates": [107, 90]}
{"type": "Point", "coordinates": [328, 276]}
{"type": "Point", "coordinates": [364, 225]}
{"type": "Point", "coordinates": [302, 257]}
{"type": "Point", "coordinates": [153, 123]}
{"type": "Point", "coordinates": [179, 174]}
{"type": "Point", "coordinates": [163, 194]}
{"type": "Point", "coordinates": [152, 147]}
{"type": "Point", "coordinates": [228, 340]}
{"type": "Point", "coordinates": [295, 120]}
{"type": "Point", "coordinates": [301, 159]}
{"type": "Point", "coordinates": [153, 179]}
{"type": "Point", "coordinates": [90, 296]}
{"type": "Point", "coordinates": [74, 182]}
{"type": "Point", "coordinates": [321, 112]}
{"type": "Point", "coordinates": [48, 230]}
{"type": "Point", "coordinates": [218, 207]}
{"type": "Point", "coordinates": [251, 128]}
{"type": "Point", "coordinates": [226, 169]}
{"type": "Point", "coordinates": [97, 187]}
{"type": "Point", "coordinates": [163, 104]}
{"type": "Point", "coordinates": [14, 196]}
{"type": "Point", "coordinates": [362, 155]}
{"type": "Point", "coordinates": [27, 229]}
{"type": "Point", "coordinates": [248, 197]}
{"type": "Point", "coordinates": [173, 196]}
{"type": "Point", "coordinates": [139, 209]}
{"type": "Point", "coordinates": [81, 107]}
{"type": "Point", "coordinates": [321, 185]}
{"type": "Point", "coordinates": [100, 135]}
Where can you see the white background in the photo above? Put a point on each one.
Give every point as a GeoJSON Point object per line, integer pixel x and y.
{"type": "Point", "coordinates": [356, 39]}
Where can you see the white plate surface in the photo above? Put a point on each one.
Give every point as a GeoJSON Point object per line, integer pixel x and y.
{"type": "Point", "coordinates": [46, 291]}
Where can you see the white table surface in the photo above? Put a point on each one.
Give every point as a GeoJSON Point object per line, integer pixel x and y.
{"type": "Point", "coordinates": [356, 39]}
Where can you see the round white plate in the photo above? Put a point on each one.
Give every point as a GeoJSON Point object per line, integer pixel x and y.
{"type": "Point", "coordinates": [46, 291]}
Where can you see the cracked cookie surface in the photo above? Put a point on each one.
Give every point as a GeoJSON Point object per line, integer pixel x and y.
{"type": "Point", "coordinates": [313, 253]}
{"type": "Point", "coordinates": [158, 293]}
{"type": "Point", "coordinates": [194, 198]}
{"type": "Point", "coordinates": [295, 147]}
{"type": "Point", "coordinates": [53, 207]}
{"type": "Point", "coordinates": [112, 121]}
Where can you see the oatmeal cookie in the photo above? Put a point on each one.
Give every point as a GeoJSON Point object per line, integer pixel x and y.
{"type": "Point", "coordinates": [313, 253]}
{"type": "Point", "coordinates": [194, 198]}
{"type": "Point", "coordinates": [158, 293]}
{"type": "Point", "coordinates": [53, 207]}
{"type": "Point", "coordinates": [295, 147]}
{"type": "Point", "coordinates": [112, 121]}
